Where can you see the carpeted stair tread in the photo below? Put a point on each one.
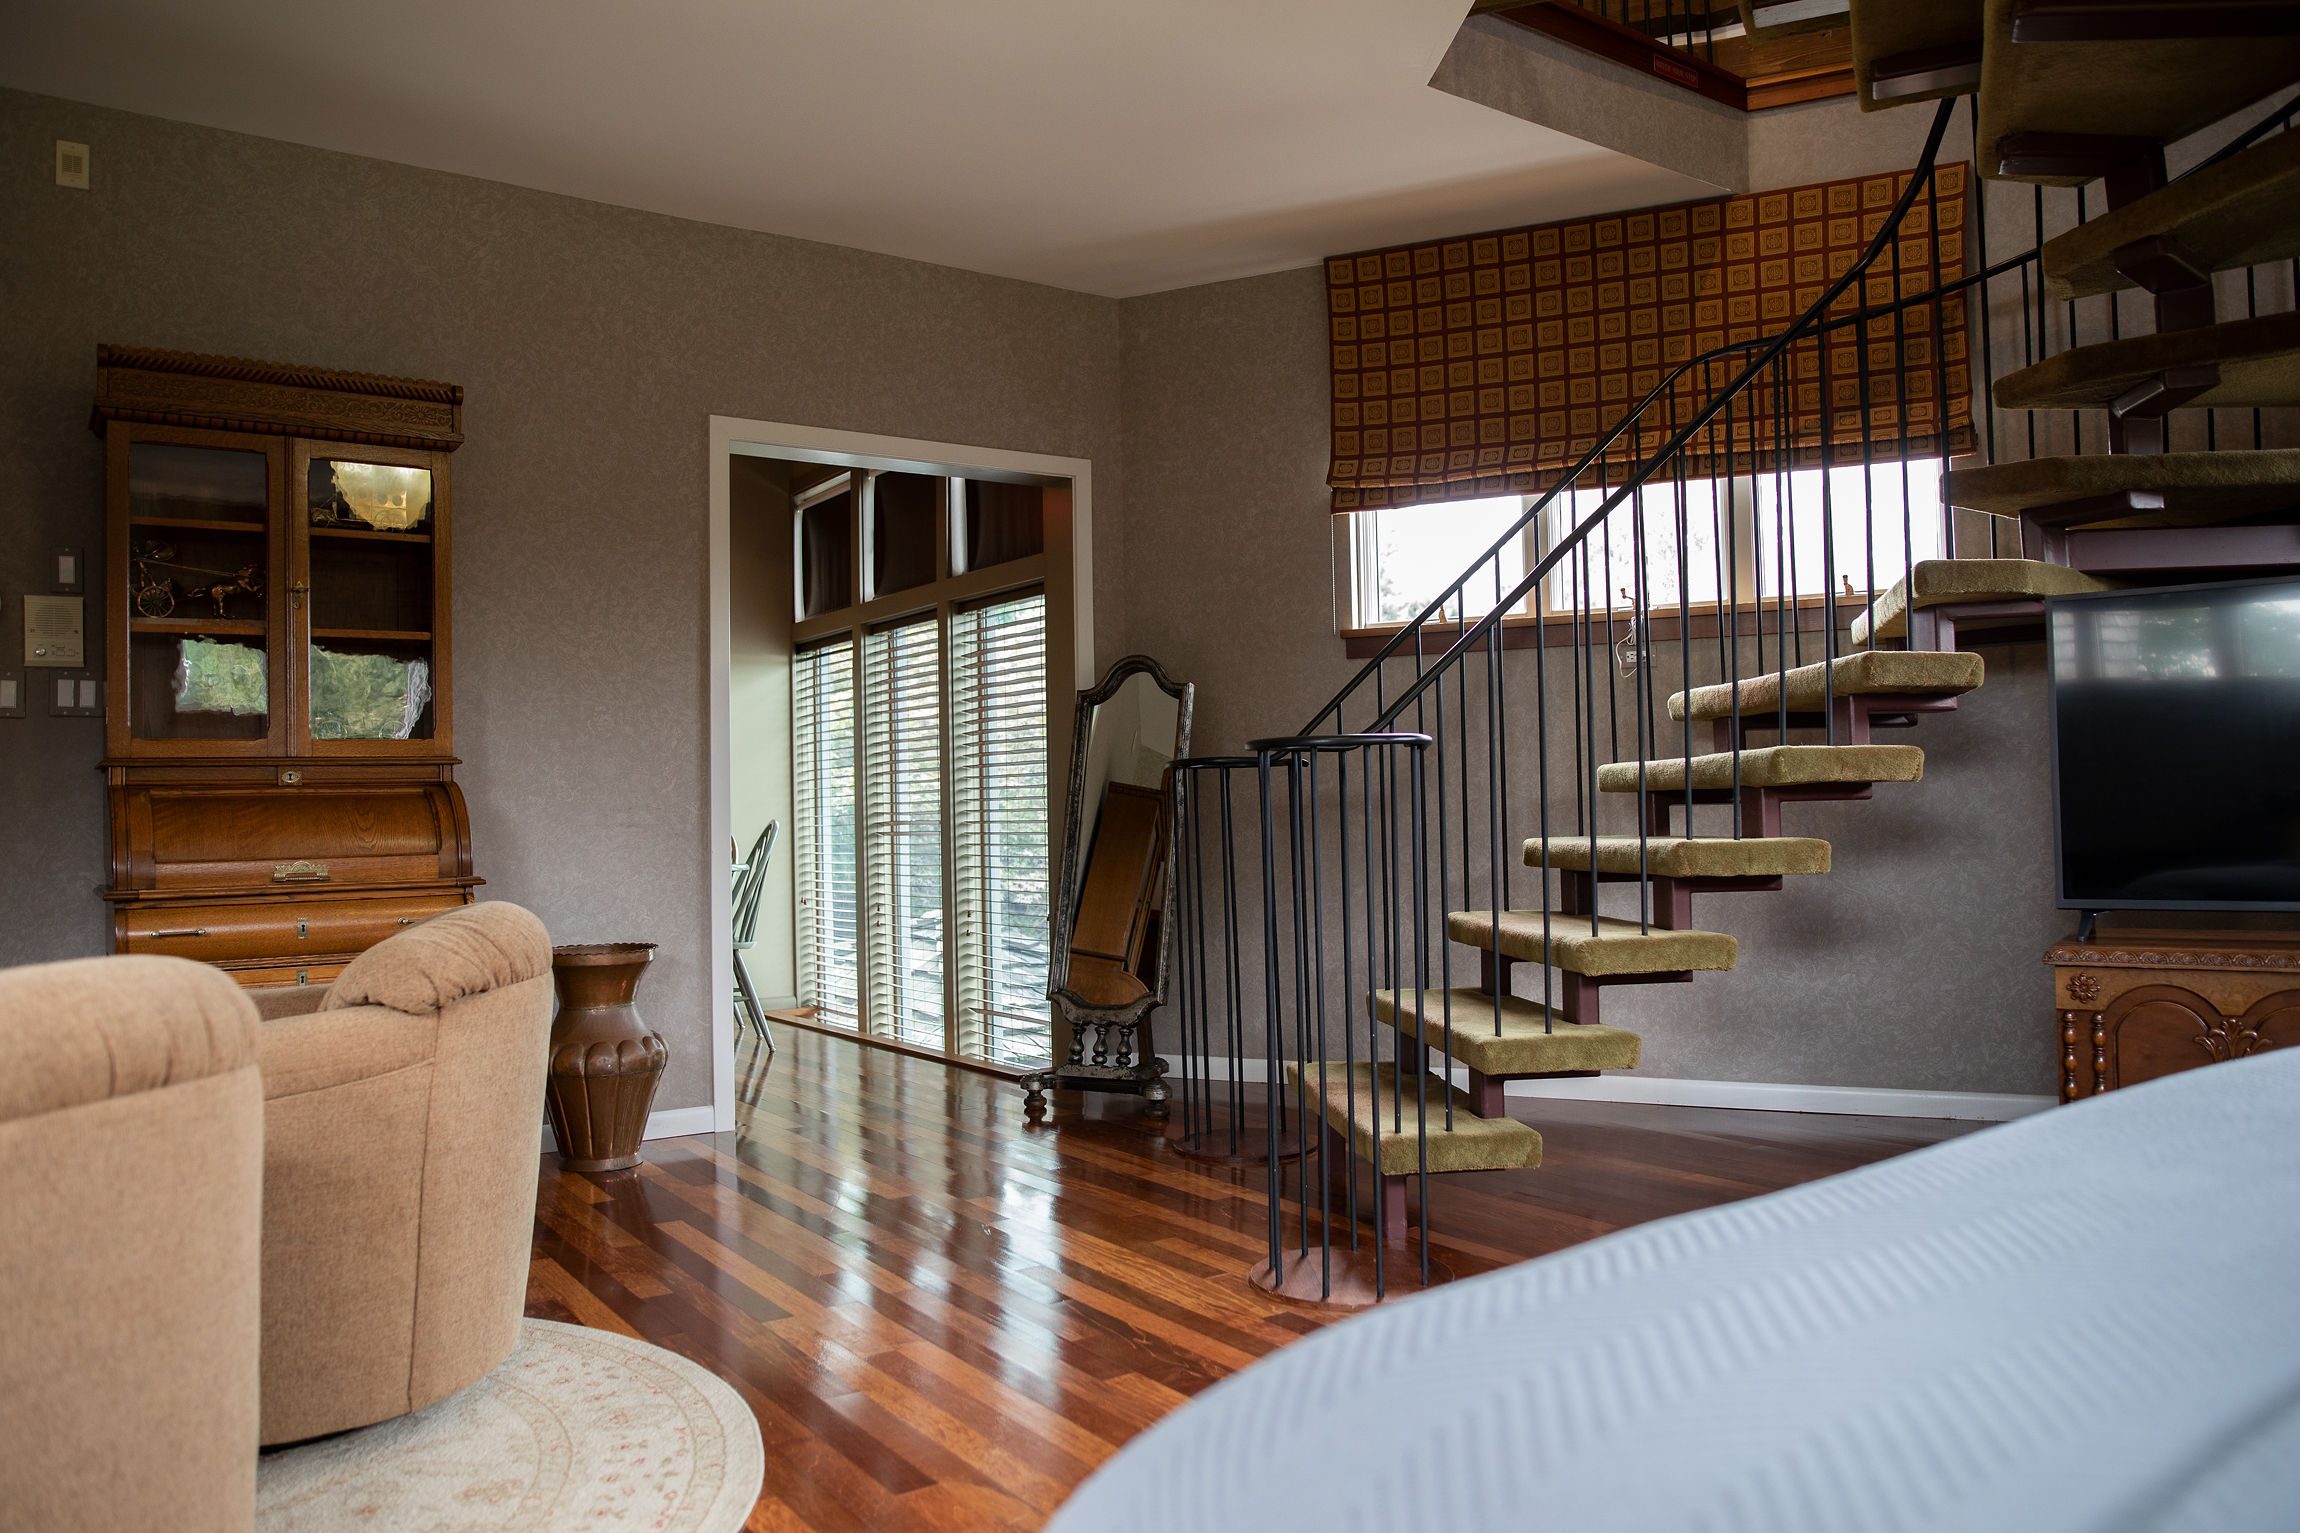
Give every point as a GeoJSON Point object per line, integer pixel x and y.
{"type": "Point", "coordinates": [1685, 856]}
{"type": "Point", "coordinates": [1521, 1047]}
{"type": "Point", "coordinates": [2161, 88]}
{"type": "Point", "coordinates": [2259, 362]}
{"type": "Point", "coordinates": [1780, 18]}
{"type": "Point", "coordinates": [1889, 29]}
{"type": "Point", "coordinates": [1946, 582]}
{"type": "Point", "coordinates": [1864, 673]}
{"type": "Point", "coordinates": [2241, 212]}
{"type": "Point", "coordinates": [1774, 766]}
{"type": "Point", "coordinates": [2197, 487]}
{"type": "Point", "coordinates": [1353, 1094]}
{"type": "Point", "coordinates": [1616, 947]}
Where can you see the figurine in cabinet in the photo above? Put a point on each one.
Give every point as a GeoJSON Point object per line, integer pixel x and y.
{"type": "Point", "coordinates": [279, 755]}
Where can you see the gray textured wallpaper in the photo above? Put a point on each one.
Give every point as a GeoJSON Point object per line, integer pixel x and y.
{"type": "Point", "coordinates": [593, 343]}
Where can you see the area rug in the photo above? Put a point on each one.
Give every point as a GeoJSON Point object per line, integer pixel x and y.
{"type": "Point", "coordinates": [577, 1429]}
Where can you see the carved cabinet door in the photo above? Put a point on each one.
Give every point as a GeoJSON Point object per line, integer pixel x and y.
{"type": "Point", "coordinates": [2272, 1022]}
{"type": "Point", "coordinates": [2155, 1030]}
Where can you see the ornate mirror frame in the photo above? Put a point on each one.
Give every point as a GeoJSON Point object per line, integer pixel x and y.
{"type": "Point", "coordinates": [1091, 1066]}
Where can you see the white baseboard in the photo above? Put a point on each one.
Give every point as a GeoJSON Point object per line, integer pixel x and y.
{"type": "Point", "coordinates": [669, 1123]}
{"type": "Point", "coordinates": [1749, 1096]}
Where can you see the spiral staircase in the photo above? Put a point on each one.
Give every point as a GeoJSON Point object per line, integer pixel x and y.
{"type": "Point", "coordinates": [1376, 841]}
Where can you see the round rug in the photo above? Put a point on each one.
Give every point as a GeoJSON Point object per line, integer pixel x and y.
{"type": "Point", "coordinates": [576, 1428]}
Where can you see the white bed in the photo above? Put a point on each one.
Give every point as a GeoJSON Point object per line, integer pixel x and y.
{"type": "Point", "coordinates": [2088, 1319]}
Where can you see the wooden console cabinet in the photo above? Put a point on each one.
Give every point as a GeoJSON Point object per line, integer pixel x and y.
{"type": "Point", "coordinates": [279, 746]}
{"type": "Point", "coordinates": [2133, 1005]}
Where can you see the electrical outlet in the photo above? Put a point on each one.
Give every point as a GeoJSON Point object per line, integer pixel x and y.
{"type": "Point", "coordinates": [71, 164]}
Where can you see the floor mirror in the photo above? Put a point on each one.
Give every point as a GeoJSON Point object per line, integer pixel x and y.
{"type": "Point", "coordinates": [1114, 905]}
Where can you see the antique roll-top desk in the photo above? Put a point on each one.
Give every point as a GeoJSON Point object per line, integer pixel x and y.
{"type": "Point", "coordinates": [279, 745]}
{"type": "Point", "coordinates": [2130, 1006]}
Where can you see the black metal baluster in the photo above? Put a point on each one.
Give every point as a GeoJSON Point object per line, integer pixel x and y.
{"type": "Point", "coordinates": [1272, 1013]}
{"type": "Point", "coordinates": [1237, 1040]}
{"type": "Point", "coordinates": [1349, 1033]}
{"type": "Point", "coordinates": [1977, 192]}
{"type": "Point", "coordinates": [1541, 802]}
{"type": "Point", "coordinates": [1828, 545]}
{"type": "Point", "coordinates": [1421, 992]}
{"type": "Point", "coordinates": [1939, 307]}
{"type": "Point", "coordinates": [1318, 971]}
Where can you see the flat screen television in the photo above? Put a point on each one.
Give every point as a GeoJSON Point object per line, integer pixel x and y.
{"type": "Point", "coordinates": [2176, 747]}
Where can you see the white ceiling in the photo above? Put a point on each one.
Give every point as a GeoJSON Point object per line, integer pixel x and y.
{"type": "Point", "coordinates": [1110, 146]}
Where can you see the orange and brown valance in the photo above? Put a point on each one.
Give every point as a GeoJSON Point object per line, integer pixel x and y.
{"type": "Point", "coordinates": [1488, 364]}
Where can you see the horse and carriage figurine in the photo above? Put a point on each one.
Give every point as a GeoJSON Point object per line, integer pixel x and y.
{"type": "Point", "coordinates": [156, 593]}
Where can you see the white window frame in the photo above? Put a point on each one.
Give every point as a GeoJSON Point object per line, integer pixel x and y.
{"type": "Point", "coordinates": [1357, 571]}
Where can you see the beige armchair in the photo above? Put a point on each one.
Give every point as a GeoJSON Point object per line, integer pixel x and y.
{"type": "Point", "coordinates": [403, 1112]}
{"type": "Point", "coordinates": [131, 1127]}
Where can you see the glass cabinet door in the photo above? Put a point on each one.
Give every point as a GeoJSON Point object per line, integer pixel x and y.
{"type": "Point", "coordinates": [198, 556]}
{"type": "Point", "coordinates": [371, 528]}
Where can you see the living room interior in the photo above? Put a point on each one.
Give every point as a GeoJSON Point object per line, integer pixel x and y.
{"type": "Point", "coordinates": [1002, 788]}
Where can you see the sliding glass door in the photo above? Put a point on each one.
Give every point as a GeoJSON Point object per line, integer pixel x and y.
{"type": "Point", "coordinates": [920, 742]}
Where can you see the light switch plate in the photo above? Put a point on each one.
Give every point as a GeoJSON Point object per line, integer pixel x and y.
{"type": "Point", "coordinates": [71, 164]}
{"type": "Point", "coordinates": [69, 570]}
{"type": "Point", "coordinates": [11, 694]}
{"type": "Point", "coordinates": [74, 695]}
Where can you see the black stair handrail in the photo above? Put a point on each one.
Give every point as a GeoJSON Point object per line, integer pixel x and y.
{"type": "Point", "coordinates": [1812, 321]}
{"type": "Point", "coordinates": [1399, 827]}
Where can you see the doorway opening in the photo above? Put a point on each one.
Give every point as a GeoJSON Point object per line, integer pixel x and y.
{"type": "Point", "coordinates": [898, 631]}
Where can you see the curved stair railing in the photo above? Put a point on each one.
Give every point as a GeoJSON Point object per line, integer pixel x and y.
{"type": "Point", "coordinates": [1325, 910]}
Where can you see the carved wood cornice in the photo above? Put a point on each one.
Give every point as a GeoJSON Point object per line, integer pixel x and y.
{"type": "Point", "coordinates": [2270, 951]}
{"type": "Point", "coordinates": [182, 388]}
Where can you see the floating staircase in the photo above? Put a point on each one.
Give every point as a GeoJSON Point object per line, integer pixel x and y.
{"type": "Point", "coordinates": [2236, 213]}
{"type": "Point", "coordinates": [1916, 50]}
{"type": "Point", "coordinates": [2071, 91]}
{"type": "Point", "coordinates": [1857, 693]}
{"type": "Point", "coordinates": [2068, 91]}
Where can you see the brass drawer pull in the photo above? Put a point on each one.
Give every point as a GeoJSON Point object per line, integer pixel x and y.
{"type": "Point", "coordinates": [299, 873]}
{"type": "Point", "coordinates": [181, 931]}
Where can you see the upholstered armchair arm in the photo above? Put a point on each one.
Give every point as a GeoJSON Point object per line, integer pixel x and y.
{"type": "Point", "coordinates": [99, 1028]}
{"type": "Point", "coordinates": [288, 1000]}
{"type": "Point", "coordinates": [402, 1133]}
{"type": "Point", "coordinates": [131, 1126]}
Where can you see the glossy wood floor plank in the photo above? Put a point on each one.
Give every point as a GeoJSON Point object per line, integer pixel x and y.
{"type": "Point", "coordinates": [945, 1318]}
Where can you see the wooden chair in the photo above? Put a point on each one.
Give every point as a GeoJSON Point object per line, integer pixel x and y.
{"type": "Point", "coordinates": [750, 882]}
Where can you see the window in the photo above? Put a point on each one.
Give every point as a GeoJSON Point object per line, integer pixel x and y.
{"type": "Point", "coordinates": [921, 738]}
{"type": "Point", "coordinates": [902, 828]}
{"type": "Point", "coordinates": [824, 846]}
{"type": "Point", "coordinates": [1735, 544]}
{"type": "Point", "coordinates": [999, 809]}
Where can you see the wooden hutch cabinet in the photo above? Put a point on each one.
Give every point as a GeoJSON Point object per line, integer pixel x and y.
{"type": "Point", "coordinates": [2133, 1005]}
{"type": "Point", "coordinates": [279, 745]}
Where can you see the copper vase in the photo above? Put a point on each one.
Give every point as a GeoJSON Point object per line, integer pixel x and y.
{"type": "Point", "coordinates": [605, 1061]}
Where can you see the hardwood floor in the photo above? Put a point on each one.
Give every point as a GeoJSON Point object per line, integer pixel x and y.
{"type": "Point", "coordinates": [945, 1318]}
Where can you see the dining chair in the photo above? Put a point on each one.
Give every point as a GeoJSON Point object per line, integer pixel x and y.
{"type": "Point", "coordinates": [750, 883]}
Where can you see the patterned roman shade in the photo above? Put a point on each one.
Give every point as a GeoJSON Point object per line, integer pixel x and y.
{"type": "Point", "coordinates": [1487, 364]}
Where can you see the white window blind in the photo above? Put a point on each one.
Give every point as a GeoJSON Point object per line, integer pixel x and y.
{"type": "Point", "coordinates": [902, 831]}
{"type": "Point", "coordinates": [823, 840]}
{"type": "Point", "coordinates": [998, 804]}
